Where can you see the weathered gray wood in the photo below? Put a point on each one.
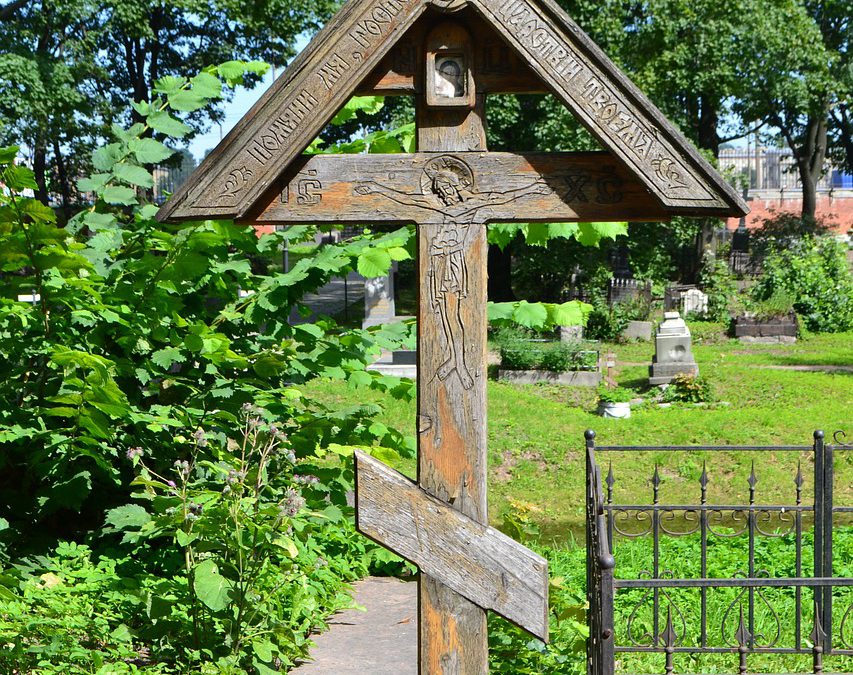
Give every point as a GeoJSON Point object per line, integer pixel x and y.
{"type": "Point", "coordinates": [610, 105]}
{"type": "Point", "coordinates": [452, 258]}
{"type": "Point", "coordinates": [498, 69]}
{"type": "Point", "coordinates": [474, 560]}
{"type": "Point", "coordinates": [294, 110]}
{"type": "Point", "coordinates": [502, 187]}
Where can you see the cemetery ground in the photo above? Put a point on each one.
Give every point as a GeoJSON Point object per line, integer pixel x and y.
{"type": "Point", "coordinates": [765, 394]}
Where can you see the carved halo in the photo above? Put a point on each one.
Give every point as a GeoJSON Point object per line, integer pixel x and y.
{"type": "Point", "coordinates": [449, 5]}
{"type": "Point", "coordinates": [443, 164]}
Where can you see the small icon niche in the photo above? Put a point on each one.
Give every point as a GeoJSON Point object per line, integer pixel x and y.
{"type": "Point", "coordinates": [450, 82]}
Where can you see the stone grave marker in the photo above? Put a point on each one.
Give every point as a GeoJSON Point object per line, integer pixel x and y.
{"type": "Point", "coordinates": [673, 352]}
{"type": "Point", "coordinates": [450, 55]}
{"type": "Point", "coordinates": [694, 301]}
{"type": "Point", "coordinates": [379, 306]}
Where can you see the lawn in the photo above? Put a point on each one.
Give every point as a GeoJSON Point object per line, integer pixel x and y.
{"type": "Point", "coordinates": [536, 462]}
{"type": "Point", "coordinates": [536, 431]}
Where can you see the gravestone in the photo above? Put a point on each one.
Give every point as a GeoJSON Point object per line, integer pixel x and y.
{"type": "Point", "coordinates": [694, 301]}
{"type": "Point", "coordinates": [449, 55]}
{"type": "Point", "coordinates": [379, 306]}
{"type": "Point", "coordinates": [673, 352]}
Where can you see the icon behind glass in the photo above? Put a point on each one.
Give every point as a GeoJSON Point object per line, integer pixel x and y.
{"type": "Point", "coordinates": [449, 76]}
{"type": "Point", "coordinates": [449, 79]}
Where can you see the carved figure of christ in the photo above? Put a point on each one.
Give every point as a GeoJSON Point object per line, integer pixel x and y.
{"type": "Point", "coordinates": [450, 194]}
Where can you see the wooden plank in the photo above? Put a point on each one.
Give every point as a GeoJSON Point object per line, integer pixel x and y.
{"type": "Point", "coordinates": [478, 562]}
{"type": "Point", "coordinates": [498, 68]}
{"type": "Point", "coordinates": [294, 110]}
{"type": "Point", "coordinates": [611, 106]}
{"type": "Point", "coordinates": [495, 187]}
{"type": "Point", "coordinates": [452, 256]}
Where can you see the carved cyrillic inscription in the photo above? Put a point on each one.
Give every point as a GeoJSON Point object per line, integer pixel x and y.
{"type": "Point", "coordinates": [326, 78]}
{"type": "Point", "coordinates": [331, 71]}
{"type": "Point", "coordinates": [537, 36]}
{"type": "Point", "coordinates": [276, 135]}
{"type": "Point", "coordinates": [371, 28]}
{"type": "Point", "coordinates": [595, 95]}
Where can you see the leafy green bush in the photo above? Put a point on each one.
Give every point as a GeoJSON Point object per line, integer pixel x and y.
{"type": "Point", "coordinates": [689, 389]}
{"type": "Point", "coordinates": [520, 350]}
{"type": "Point", "coordinates": [720, 285]}
{"type": "Point", "coordinates": [143, 342]}
{"type": "Point", "coordinates": [778, 305]}
{"type": "Point", "coordinates": [615, 394]}
{"type": "Point", "coordinates": [813, 272]}
{"type": "Point", "coordinates": [606, 322]}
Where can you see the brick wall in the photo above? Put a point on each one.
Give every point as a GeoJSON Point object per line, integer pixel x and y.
{"type": "Point", "coordinates": [836, 207]}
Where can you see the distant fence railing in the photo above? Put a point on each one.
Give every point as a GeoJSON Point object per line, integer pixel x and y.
{"type": "Point", "coordinates": [775, 169]}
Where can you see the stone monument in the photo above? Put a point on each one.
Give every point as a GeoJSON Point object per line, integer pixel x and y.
{"type": "Point", "coordinates": [673, 354]}
{"type": "Point", "coordinates": [379, 304]}
{"type": "Point", "coordinates": [694, 301]}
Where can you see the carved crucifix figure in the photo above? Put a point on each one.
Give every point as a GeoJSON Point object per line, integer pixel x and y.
{"type": "Point", "coordinates": [448, 189]}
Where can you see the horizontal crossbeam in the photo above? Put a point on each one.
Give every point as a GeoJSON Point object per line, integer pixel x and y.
{"type": "Point", "coordinates": [478, 562]}
{"type": "Point", "coordinates": [466, 188]}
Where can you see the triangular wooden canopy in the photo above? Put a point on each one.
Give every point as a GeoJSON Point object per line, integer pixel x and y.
{"type": "Point", "coordinates": [370, 45]}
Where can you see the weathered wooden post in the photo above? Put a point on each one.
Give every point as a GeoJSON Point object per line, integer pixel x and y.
{"type": "Point", "coordinates": [450, 55]}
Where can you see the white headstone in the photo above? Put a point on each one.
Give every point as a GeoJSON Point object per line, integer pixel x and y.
{"type": "Point", "coordinates": [694, 301]}
{"type": "Point", "coordinates": [673, 353]}
{"type": "Point", "coordinates": [379, 304]}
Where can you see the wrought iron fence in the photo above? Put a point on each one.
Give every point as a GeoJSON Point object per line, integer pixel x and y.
{"type": "Point", "coordinates": [653, 616]}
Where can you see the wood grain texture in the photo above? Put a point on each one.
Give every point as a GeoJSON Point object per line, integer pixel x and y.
{"type": "Point", "coordinates": [452, 256]}
{"type": "Point", "coordinates": [294, 110]}
{"type": "Point", "coordinates": [610, 105]}
{"type": "Point", "coordinates": [503, 187]}
{"type": "Point", "coordinates": [498, 69]}
{"type": "Point", "coordinates": [474, 560]}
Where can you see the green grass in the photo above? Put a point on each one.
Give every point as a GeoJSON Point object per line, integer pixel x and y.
{"type": "Point", "coordinates": [512, 651]}
{"type": "Point", "coordinates": [536, 431]}
{"type": "Point", "coordinates": [536, 459]}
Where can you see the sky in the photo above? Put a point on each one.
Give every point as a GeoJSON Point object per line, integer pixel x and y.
{"type": "Point", "coordinates": [236, 108]}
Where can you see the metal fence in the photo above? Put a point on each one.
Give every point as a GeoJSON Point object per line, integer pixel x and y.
{"type": "Point", "coordinates": [750, 624]}
{"type": "Point", "coordinates": [774, 169]}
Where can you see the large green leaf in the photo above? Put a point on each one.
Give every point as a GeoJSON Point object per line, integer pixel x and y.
{"type": "Point", "coordinates": [166, 124]}
{"type": "Point", "coordinates": [375, 262]}
{"type": "Point", "coordinates": [149, 151]}
{"type": "Point", "coordinates": [213, 590]}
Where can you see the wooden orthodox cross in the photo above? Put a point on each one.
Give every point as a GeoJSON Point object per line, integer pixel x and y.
{"type": "Point", "coordinates": [449, 55]}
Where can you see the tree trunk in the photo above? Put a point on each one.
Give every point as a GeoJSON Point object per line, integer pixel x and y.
{"type": "Point", "coordinates": [709, 120]}
{"type": "Point", "coordinates": [500, 274]}
{"type": "Point", "coordinates": [40, 168]}
{"type": "Point", "coordinates": [810, 161]}
{"type": "Point", "coordinates": [62, 176]}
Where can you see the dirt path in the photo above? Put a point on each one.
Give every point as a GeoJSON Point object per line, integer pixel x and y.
{"type": "Point", "coordinates": [381, 641]}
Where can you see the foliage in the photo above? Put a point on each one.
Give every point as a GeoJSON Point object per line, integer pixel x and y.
{"type": "Point", "coordinates": [615, 394]}
{"type": "Point", "coordinates": [689, 389]}
{"type": "Point", "coordinates": [720, 285]}
{"type": "Point", "coordinates": [69, 68]}
{"type": "Point", "coordinates": [777, 306]}
{"type": "Point", "coordinates": [520, 352]}
{"type": "Point", "coordinates": [538, 315]}
{"type": "Point", "coordinates": [782, 230]}
{"type": "Point", "coordinates": [151, 339]}
{"type": "Point", "coordinates": [607, 322]}
{"type": "Point", "coordinates": [813, 272]}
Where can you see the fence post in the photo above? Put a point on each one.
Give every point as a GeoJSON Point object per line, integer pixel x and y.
{"type": "Point", "coordinates": [828, 480]}
{"type": "Point", "coordinates": [823, 535]}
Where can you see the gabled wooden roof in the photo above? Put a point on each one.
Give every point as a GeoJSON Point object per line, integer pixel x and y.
{"type": "Point", "coordinates": [260, 149]}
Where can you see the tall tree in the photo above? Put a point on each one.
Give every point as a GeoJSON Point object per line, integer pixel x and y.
{"type": "Point", "coordinates": [70, 65]}
{"type": "Point", "coordinates": [791, 65]}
